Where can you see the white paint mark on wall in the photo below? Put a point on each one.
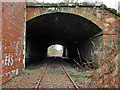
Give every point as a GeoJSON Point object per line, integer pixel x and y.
{"type": "Point", "coordinates": [16, 71]}
{"type": "Point", "coordinates": [11, 73]}
{"type": "Point", "coordinates": [106, 29]}
{"type": "Point", "coordinates": [5, 48]}
{"type": "Point", "coordinates": [98, 15]}
{"type": "Point", "coordinates": [106, 26]}
{"type": "Point", "coordinates": [24, 58]}
{"type": "Point", "coordinates": [2, 63]}
{"type": "Point", "coordinates": [111, 20]}
{"type": "Point", "coordinates": [51, 9]}
{"type": "Point", "coordinates": [9, 60]}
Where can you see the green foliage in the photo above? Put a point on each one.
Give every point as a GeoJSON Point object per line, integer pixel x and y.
{"type": "Point", "coordinates": [52, 49]}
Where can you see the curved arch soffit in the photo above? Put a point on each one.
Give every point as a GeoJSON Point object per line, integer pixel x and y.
{"type": "Point", "coordinates": [70, 14]}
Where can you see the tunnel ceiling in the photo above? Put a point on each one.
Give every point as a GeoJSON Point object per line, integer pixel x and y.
{"type": "Point", "coordinates": [60, 27]}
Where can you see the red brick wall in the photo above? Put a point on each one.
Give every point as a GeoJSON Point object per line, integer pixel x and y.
{"type": "Point", "coordinates": [0, 42]}
{"type": "Point", "coordinates": [13, 26]}
{"type": "Point", "coordinates": [107, 22]}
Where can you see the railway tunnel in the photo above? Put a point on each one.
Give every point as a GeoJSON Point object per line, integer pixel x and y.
{"type": "Point", "coordinates": [71, 31]}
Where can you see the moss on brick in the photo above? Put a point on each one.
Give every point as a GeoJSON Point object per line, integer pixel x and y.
{"type": "Point", "coordinates": [66, 4]}
{"type": "Point", "coordinates": [3, 9]}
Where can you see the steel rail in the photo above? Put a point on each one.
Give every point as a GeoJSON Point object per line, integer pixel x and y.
{"type": "Point", "coordinates": [76, 87]}
{"type": "Point", "coordinates": [45, 68]}
{"type": "Point", "coordinates": [38, 83]}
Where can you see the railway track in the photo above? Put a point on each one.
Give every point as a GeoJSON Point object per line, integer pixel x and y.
{"type": "Point", "coordinates": [63, 69]}
{"type": "Point", "coordinates": [38, 83]}
{"type": "Point", "coordinates": [76, 87]}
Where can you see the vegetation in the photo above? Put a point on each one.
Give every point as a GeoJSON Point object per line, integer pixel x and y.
{"type": "Point", "coordinates": [52, 51]}
{"type": "Point", "coordinates": [106, 75]}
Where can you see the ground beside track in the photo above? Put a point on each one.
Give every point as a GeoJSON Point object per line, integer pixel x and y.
{"type": "Point", "coordinates": [30, 76]}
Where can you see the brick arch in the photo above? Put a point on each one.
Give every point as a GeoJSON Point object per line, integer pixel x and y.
{"type": "Point", "coordinates": [104, 19]}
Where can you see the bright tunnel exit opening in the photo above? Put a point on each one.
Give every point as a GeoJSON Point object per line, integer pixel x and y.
{"type": "Point", "coordinates": [55, 50]}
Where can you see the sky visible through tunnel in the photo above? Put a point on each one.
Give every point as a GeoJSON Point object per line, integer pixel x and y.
{"type": "Point", "coordinates": [108, 3]}
{"type": "Point", "coordinates": [58, 47]}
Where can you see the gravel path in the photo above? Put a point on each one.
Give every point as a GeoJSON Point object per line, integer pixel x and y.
{"type": "Point", "coordinates": [54, 77]}
{"type": "Point", "coordinates": [27, 79]}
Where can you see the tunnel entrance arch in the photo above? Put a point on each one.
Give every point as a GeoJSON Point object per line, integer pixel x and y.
{"type": "Point", "coordinates": [104, 18]}
{"type": "Point", "coordinates": [73, 31]}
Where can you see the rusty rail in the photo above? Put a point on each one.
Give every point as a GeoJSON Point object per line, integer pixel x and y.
{"type": "Point", "coordinates": [38, 83]}
{"type": "Point", "coordinates": [76, 87]}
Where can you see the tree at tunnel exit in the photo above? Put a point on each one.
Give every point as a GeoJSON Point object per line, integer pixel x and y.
{"type": "Point", "coordinates": [55, 50]}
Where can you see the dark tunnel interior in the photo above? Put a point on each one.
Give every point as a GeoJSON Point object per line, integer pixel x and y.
{"type": "Point", "coordinates": [69, 30]}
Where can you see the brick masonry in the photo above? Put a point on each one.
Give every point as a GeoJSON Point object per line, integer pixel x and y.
{"type": "Point", "coordinates": [13, 27]}
{"type": "Point", "coordinates": [12, 31]}
{"type": "Point", "coordinates": [0, 42]}
{"type": "Point", "coordinates": [104, 19]}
